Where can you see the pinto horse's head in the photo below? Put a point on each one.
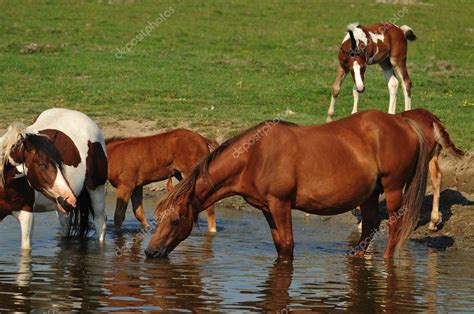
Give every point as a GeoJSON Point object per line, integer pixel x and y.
{"type": "Point", "coordinates": [174, 216]}
{"type": "Point", "coordinates": [353, 57]}
{"type": "Point", "coordinates": [36, 158]}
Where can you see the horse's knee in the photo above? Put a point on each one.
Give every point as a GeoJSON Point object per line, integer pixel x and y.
{"type": "Point", "coordinates": [392, 83]}
{"type": "Point", "coordinates": [335, 90]}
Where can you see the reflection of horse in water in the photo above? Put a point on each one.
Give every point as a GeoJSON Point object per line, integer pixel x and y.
{"type": "Point", "coordinates": [69, 280]}
{"type": "Point", "coordinates": [163, 285]}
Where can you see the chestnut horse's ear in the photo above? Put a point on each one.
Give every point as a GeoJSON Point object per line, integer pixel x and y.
{"type": "Point", "coordinates": [169, 184]}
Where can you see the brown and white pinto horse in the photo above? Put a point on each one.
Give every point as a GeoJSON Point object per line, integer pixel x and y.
{"type": "Point", "coordinates": [61, 159]}
{"type": "Point", "coordinates": [384, 44]}
{"type": "Point", "coordinates": [324, 170]}
{"type": "Point", "coordinates": [138, 161]}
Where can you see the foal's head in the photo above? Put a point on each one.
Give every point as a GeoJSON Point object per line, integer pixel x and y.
{"type": "Point", "coordinates": [174, 215]}
{"type": "Point", "coordinates": [352, 55]}
{"type": "Point", "coordinates": [36, 158]}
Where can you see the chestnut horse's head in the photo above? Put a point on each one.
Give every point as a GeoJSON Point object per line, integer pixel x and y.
{"type": "Point", "coordinates": [354, 59]}
{"type": "Point", "coordinates": [36, 158]}
{"type": "Point", "coordinates": [174, 215]}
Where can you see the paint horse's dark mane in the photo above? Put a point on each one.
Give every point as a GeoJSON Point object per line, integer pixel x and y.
{"type": "Point", "coordinates": [43, 144]}
{"type": "Point", "coordinates": [202, 168]}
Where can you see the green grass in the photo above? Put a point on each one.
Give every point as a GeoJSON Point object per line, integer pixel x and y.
{"type": "Point", "coordinates": [248, 60]}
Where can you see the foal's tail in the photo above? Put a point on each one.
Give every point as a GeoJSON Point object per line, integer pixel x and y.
{"type": "Point", "coordinates": [415, 189]}
{"type": "Point", "coordinates": [80, 218]}
{"type": "Point", "coordinates": [408, 32]}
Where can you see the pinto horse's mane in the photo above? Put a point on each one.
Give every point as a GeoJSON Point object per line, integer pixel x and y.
{"type": "Point", "coordinates": [16, 135]}
{"type": "Point", "coordinates": [188, 183]}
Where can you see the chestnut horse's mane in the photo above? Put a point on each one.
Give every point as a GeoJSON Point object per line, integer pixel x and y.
{"type": "Point", "coordinates": [202, 168]}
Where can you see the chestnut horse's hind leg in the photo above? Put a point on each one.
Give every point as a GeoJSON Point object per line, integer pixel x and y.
{"type": "Point", "coordinates": [370, 222]}
{"type": "Point", "coordinates": [336, 87]}
{"type": "Point", "coordinates": [435, 175]}
{"type": "Point", "coordinates": [123, 196]}
{"type": "Point", "coordinates": [394, 201]}
{"type": "Point", "coordinates": [279, 219]}
{"type": "Point", "coordinates": [137, 206]}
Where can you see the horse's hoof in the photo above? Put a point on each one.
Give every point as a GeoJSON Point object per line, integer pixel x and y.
{"type": "Point", "coordinates": [328, 119]}
{"type": "Point", "coordinates": [432, 227]}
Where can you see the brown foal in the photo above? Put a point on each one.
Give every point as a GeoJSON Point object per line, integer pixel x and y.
{"type": "Point", "coordinates": [324, 170]}
{"type": "Point", "coordinates": [138, 161]}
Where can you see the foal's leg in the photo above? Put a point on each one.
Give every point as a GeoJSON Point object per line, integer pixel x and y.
{"type": "Point", "coordinates": [394, 201]}
{"type": "Point", "coordinates": [137, 206]}
{"type": "Point", "coordinates": [435, 175]}
{"type": "Point", "coordinates": [97, 196]}
{"type": "Point", "coordinates": [336, 87]}
{"type": "Point", "coordinates": [123, 196]}
{"type": "Point", "coordinates": [278, 217]}
{"type": "Point", "coordinates": [370, 223]}
{"type": "Point", "coordinates": [401, 68]}
{"type": "Point", "coordinates": [26, 224]}
{"type": "Point", "coordinates": [392, 84]}
{"type": "Point", "coordinates": [356, 95]}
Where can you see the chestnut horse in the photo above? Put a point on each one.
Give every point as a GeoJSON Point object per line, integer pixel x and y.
{"type": "Point", "coordinates": [324, 170]}
{"type": "Point", "coordinates": [384, 44]}
{"type": "Point", "coordinates": [59, 159]}
{"type": "Point", "coordinates": [138, 161]}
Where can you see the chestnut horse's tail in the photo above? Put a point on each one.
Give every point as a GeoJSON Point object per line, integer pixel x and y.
{"type": "Point", "coordinates": [212, 144]}
{"type": "Point", "coordinates": [80, 218]}
{"type": "Point", "coordinates": [415, 189]}
{"type": "Point", "coordinates": [442, 137]}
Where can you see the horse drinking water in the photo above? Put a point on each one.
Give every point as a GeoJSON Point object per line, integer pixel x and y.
{"type": "Point", "coordinates": [59, 159]}
{"type": "Point", "coordinates": [384, 44]}
{"type": "Point", "coordinates": [138, 161]}
{"type": "Point", "coordinates": [324, 170]}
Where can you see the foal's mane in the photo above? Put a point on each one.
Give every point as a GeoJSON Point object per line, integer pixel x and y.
{"type": "Point", "coordinates": [16, 135]}
{"type": "Point", "coordinates": [188, 183]}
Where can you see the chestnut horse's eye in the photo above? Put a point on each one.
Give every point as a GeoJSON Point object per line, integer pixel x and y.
{"type": "Point", "coordinates": [43, 166]}
{"type": "Point", "coordinates": [175, 222]}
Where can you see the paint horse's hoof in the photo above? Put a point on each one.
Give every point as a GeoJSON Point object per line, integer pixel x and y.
{"type": "Point", "coordinates": [328, 119]}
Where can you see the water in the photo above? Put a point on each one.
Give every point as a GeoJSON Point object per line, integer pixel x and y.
{"type": "Point", "coordinates": [230, 272]}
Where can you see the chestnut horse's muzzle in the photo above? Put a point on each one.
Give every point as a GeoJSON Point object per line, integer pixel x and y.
{"type": "Point", "coordinates": [64, 204]}
{"type": "Point", "coordinates": [163, 252]}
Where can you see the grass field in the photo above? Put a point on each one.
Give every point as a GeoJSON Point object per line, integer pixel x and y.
{"type": "Point", "coordinates": [224, 64]}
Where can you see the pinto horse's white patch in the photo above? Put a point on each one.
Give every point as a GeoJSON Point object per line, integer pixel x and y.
{"type": "Point", "coordinates": [359, 36]}
{"type": "Point", "coordinates": [376, 37]}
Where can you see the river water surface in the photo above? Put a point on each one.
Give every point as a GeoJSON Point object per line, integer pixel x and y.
{"type": "Point", "coordinates": [232, 271]}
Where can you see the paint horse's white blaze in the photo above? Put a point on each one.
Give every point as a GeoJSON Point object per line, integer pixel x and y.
{"type": "Point", "coordinates": [384, 44]}
{"type": "Point", "coordinates": [83, 134]}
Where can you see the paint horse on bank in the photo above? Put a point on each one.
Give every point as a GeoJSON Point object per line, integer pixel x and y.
{"type": "Point", "coordinates": [384, 44]}
{"type": "Point", "coordinates": [138, 161]}
{"type": "Point", "coordinates": [58, 162]}
{"type": "Point", "coordinates": [324, 170]}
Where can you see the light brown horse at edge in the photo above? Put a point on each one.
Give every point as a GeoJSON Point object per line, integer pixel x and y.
{"type": "Point", "coordinates": [138, 161]}
{"type": "Point", "coordinates": [324, 170]}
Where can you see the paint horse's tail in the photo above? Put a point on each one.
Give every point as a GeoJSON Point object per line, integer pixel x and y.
{"type": "Point", "coordinates": [415, 189]}
{"type": "Point", "coordinates": [408, 32]}
{"type": "Point", "coordinates": [80, 218]}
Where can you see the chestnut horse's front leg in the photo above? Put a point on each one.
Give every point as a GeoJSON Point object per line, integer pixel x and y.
{"type": "Point", "coordinates": [278, 217]}
{"type": "Point", "coordinates": [123, 196]}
